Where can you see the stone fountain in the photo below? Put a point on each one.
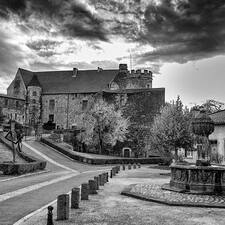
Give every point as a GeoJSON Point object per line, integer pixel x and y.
{"type": "Point", "coordinates": [199, 178]}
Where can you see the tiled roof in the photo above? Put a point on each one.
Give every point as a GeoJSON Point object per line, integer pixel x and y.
{"type": "Point", "coordinates": [34, 81]}
{"type": "Point", "coordinates": [218, 117]}
{"type": "Point", "coordinates": [58, 82]}
{"type": "Point", "coordinates": [130, 91]}
{"type": "Point", "coordinates": [11, 97]}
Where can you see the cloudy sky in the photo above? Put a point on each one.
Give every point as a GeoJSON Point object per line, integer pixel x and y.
{"type": "Point", "coordinates": [181, 41]}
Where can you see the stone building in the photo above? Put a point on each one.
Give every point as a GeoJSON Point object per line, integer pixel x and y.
{"type": "Point", "coordinates": [60, 96]}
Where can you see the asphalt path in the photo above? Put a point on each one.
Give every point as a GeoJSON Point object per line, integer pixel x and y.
{"type": "Point", "coordinates": [23, 195]}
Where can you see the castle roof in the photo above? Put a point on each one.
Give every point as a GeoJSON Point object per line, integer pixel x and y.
{"type": "Point", "coordinates": [62, 82]}
{"type": "Point", "coordinates": [34, 81]}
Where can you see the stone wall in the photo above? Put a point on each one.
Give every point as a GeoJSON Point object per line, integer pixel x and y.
{"type": "Point", "coordinates": [17, 87]}
{"type": "Point", "coordinates": [67, 110]}
{"type": "Point", "coordinates": [13, 108]}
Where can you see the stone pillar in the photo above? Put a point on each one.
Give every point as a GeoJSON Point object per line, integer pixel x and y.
{"type": "Point", "coordinates": [101, 183]}
{"type": "Point", "coordinates": [97, 182]}
{"type": "Point", "coordinates": [63, 207]}
{"type": "Point", "coordinates": [84, 191]}
{"type": "Point", "coordinates": [92, 187]}
{"type": "Point", "coordinates": [75, 198]}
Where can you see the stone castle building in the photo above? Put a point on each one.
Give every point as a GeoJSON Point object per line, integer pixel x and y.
{"type": "Point", "coordinates": [59, 96]}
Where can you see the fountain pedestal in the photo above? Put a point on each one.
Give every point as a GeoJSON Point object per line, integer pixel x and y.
{"type": "Point", "coordinates": [197, 179]}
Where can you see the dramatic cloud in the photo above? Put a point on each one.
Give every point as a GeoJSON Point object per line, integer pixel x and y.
{"type": "Point", "coordinates": [183, 30]}
{"type": "Point", "coordinates": [68, 17]}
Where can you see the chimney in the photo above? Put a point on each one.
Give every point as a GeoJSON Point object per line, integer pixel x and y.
{"type": "Point", "coordinates": [122, 67]}
{"type": "Point", "coordinates": [100, 69]}
{"type": "Point", "coordinates": [75, 71]}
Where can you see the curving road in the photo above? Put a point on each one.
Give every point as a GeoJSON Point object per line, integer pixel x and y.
{"type": "Point", "coordinates": [23, 195]}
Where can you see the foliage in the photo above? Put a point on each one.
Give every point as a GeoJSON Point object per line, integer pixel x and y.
{"type": "Point", "coordinates": [171, 129]}
{"type": "Point", "coordinates": [103, 125]}
{"type": "Point", "coordinates": [211, 106]}
{"type": "Point", "coordinates": [141, 110]}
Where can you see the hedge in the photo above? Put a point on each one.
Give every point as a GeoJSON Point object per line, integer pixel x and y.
{"type": "Point", "coordinates": [100, 161]}
{"type": "Point", "coordinates": [10, 168]}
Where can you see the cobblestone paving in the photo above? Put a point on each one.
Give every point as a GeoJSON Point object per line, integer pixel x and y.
{"type": "Point", "coordinates": [154, 191]}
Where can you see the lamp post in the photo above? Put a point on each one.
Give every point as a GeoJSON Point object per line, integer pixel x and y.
{"type": "Point", "coordinates": [203, 125]}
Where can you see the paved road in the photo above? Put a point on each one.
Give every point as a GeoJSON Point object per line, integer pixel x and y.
{"type": "Point", "coordinates": [21, 196]}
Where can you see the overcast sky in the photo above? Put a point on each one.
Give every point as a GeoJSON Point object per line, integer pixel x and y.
{"type": "Point", "coordinates": [181, 41]}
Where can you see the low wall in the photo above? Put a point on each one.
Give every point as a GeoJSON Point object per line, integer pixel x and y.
{"type": "Point", "coordinates": [10, 168]}
{"type": "Point", "coordinates": [100, 161]}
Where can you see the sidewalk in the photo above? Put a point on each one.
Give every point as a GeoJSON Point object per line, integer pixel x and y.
{"type": "Point", "coordinates": [108, 207]}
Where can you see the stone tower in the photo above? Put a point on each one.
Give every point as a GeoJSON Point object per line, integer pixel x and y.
{"type": "Point", "coordinates": [33, 101]}
{"type": "Point", "coordinates": [131, 79]}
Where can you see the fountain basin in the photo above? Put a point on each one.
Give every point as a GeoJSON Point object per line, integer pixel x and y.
{"type": "Point", "coordinates": [197, 179]}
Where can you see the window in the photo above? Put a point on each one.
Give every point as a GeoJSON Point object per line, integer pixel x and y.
{"type": "Point", "coordinates": [51, 104]}
{"type": "Point", "coordinates": [189, 154]}
{"type": "Point", "coordinates": [84, 104]}
{"type": "Point", "coordinates": [6, 102]}
{"type": "Point", "coordinates": [34, 93]}
{"type": "Point", "coordinates": [51, 117]}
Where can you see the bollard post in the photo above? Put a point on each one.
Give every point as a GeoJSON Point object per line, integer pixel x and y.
{"type": "Point", "coordinates": [129, 166]}
{"type": "Point", "coordinates": [124, 167]}
{"type": "Point", "coordinates": [50, 216]}
{"type": "Point", "coordinates": [101, 180]}
{"type": "Point", "coordinates": [134, 166]}
{"type": "Point", "coordinates": [107, 177]}
{"type": "Point", "coordinates": [111, 174]}
{"type": "Point", "coordinates": [75, 198]}
{"type": "Point", "coordinates": [63, 207]}
{"type": "Point", "coordinates": [97, 182]}
{"type": "Point", "coordinates": [92, 187]}
{"type": "Point", "coordinates": [84, 191]}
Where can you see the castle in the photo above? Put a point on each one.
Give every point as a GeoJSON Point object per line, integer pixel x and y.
{"type": "Point", "coordinates": [59, 96]}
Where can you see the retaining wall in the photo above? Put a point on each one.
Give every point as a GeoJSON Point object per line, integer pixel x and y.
{"type": "Point", "coordinates": [10, 168]}
{"type": "Point", "coordinates": [100, 161]}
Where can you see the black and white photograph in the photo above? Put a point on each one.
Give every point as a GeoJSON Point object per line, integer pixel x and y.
{"type": "Point", "coordinates": [112, 112]}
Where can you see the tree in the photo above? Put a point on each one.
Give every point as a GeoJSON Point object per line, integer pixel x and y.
{"type": "Point", "coordinates": [171, 129]}
{"type": "Point", "coordinates": [211, 106]}
{"type": "Point", "coordinates": [103, 125]}
{"type": "Point", "coordinates": [140, 108]}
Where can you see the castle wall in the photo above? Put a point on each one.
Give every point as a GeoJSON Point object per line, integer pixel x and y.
{"type": "Point", "coordinates": [13, 108]}
{"type": "Point", "coordinates": [67, 108]}
{"type": "Point", "coordinates": [17, 87]}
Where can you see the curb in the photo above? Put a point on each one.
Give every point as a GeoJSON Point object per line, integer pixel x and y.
{"type": "Point", "coordinates": [127, 192]}
{"type": "Point", "coordinates": [26, 175]}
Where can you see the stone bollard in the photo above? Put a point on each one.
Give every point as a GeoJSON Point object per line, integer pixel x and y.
{"type": "Point", "coordinates": [50, 216]}
{"type": "Point", "coordinates": [129, 166]}
{"type": "Point", "coordinates": [92, 187]}
{"type": "Point", "coordinates": [139, 165]}
{"type": "Point", "coordinates": [111, 174]}
{"type": "Point", "coordinates": [75, 198]}
{"type": "Point", "coordinates": [63, 207]}
{"type": "Point", "coordinates": [107, 177]}
{"type": "Point", "coordinates": [101, 182]}
{"type": "Point", "coordinates": [114, 171]}
{"type": "Point", "coordinates": [134, 166]}
{"type": "Point", "coordinates": [124, 167]}
{"type": "Point", "coordinates": [103, 178]}
{"type": "Point", "coordinates": [84, 191]}
{"type": "Point", "coordinates": [97, 182]}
